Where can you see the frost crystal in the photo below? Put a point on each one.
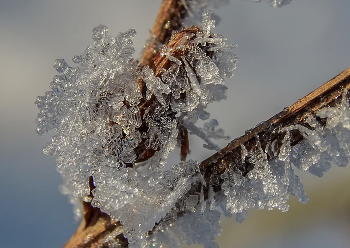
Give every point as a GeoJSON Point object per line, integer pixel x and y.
{"type": "Point", "coordinates": [116, 123]}
{"type": "Point", "coordinates": [196, 7]}
{"type": "Point", "coordinates": [270, 180]}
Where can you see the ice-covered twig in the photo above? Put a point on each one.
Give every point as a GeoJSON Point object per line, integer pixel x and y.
{"type": "Point", "coordinates": [169, 19]}
{"type": "Point", "coordinates": [272, 136]}
{"type": "Point", "coordinates": [106, 126]}
{"type": "Point", "coordinates": [328, 94]}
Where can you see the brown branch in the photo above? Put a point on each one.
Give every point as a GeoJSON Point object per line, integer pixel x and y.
{"type": "Point", "coordinates": [92, 232]}
{"type": "Point", "coordinates": [95, 226]}
{"type": "Point", "coordinates": [169, 19]}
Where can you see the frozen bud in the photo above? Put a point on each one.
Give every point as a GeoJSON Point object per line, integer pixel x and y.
{"type": "Point", "coordinates": [117, 122]}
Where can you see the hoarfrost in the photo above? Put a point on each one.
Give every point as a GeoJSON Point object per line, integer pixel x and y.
{"type": "Point", "coordinates": [268, 184]}
{"type": "Point", "coordinates": [114, 136]}
{"type": "Point", "coordinates": [110, 130]}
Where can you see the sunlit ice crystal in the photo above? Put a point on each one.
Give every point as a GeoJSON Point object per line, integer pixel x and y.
{"type": "Point", "coordinates": [94, 109]}
{"type": "Point", "coordinates": [77, 108]}
{"type": "Point", "coordinates": [208, 22]}
{"type": "Point", "coordinates": [99, 32]}
{"type": "Point", "coordinates": [60, 65]}
{"type": "Point", "coordinates": [275, 3]}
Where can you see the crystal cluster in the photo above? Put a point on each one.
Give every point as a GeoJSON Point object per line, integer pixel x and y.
{"type": "Point", "coordinates": [195, 7]}
{"type": "Point", "coordinates": [116, 122]}
{"type": "Point", "coordinates": [85, 108]}
{"type": "Point", "coordinates": [269, 183]}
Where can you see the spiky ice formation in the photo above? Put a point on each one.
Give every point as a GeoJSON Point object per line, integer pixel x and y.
{"type": "Point", "coordinates": [116, 122]}
{"type": "Point", "coordinates": [268, 183]}
{"type": "Point", "coordinates": [86, 110]}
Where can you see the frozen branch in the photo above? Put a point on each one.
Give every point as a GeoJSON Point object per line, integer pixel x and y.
{"type": "Point", "coordinates": [93, 229]}
{"type": "Point", "coordinates": [328, 94]}
{"type": "Point", "coordinates": [120, 137]}
{"type": "Point", "coordinates": [169, 19]}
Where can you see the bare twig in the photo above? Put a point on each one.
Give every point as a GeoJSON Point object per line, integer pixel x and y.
{"type": "Point", "coordinates": [91, 231]}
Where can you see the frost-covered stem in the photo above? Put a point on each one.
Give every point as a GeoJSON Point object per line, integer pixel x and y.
{"type": "Point", "coordinates": [92, 230]}
{"type": "Point", "coordinates": [169, 19]}
{"type": "Point", "coordinates": [96, 224]}
{"type": "Point", "coordinates": [328, 94]}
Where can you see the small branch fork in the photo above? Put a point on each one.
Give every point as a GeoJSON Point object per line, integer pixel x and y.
{"type": "Point", "coordinates": [96, 225]}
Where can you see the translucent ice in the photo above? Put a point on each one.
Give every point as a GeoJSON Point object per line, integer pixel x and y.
{"type": "Point", "coordinates": [109, 131]}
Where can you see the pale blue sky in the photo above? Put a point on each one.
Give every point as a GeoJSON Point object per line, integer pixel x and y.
{"type": "Point", "coordinates": [283, 54]}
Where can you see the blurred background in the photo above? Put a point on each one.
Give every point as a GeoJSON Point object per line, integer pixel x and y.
{"type": "Point", "coordinates": [284, 53]}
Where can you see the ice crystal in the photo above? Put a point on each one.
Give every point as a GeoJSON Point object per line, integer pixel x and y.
{"type": "Point", "coordinates": [268, 184]}
{"type": "Point", "coordinates": [116, 123]}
